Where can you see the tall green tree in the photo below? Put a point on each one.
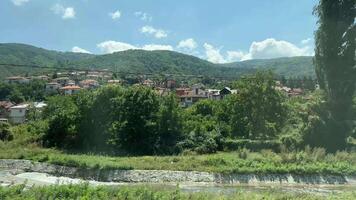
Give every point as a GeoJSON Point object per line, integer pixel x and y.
{"type": "Point", "coordinates": [135, 120]}
{"type": "Point", "coordinates": [258, 110]}
{"type": "Point", "coordinates": [170, 125]}
{"type": "Point", "coordinates": [62, 115]}
{"type": "Point", "coordinates": [335, 63]}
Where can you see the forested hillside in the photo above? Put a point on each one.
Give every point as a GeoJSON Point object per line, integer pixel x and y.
{"type": "Point", "coordinates": [140, 61]}
{"type": "Point", "coordinates": [290, 67]}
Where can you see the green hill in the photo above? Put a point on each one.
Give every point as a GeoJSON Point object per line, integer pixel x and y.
{"type": "Point", "coordinates": [164, 62]}
{"type": "Point", "coordinates": [26, 54]}
{"type": "Point", "coordinates": [289, 67]}
{"type": "Point", "coordinates": [140, 61]}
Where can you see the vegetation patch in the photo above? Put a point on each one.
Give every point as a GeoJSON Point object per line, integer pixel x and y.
{"type": "Point", "coordinates": [85, 191]}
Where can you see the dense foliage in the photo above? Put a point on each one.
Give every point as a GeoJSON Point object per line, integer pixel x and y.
{"type": "Point", "coordinates": [18, 93]}
{"type": "Point", "coordinates": [288, 67]}
{"type": "Point", "coordinates": [5, 132]}
{"type": "Point", "coordinates": [85, 191]}
{"type": "Point", "coordinates": [136, 120]}
{"type": "Point", "coordinates": [335, 67]}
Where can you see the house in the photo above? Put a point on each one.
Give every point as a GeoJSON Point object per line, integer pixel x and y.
{"type": "Point", "coordinates": [181, 91]}
{"type": "Point", "coordinates": [18, 113]}
{"type": "Point", "coordinates": [70, 83]}
{"type": "Point", "coordinates": [89, 84]}
{"type": "Point", "coordinates": [114, 82]}
{"type": "Point", "coordinates": [42, 77]}
{"type": "Point", "coordinates": [52, 87]}
{"type": "Point", "coordinates": [198, 89]}
{"type": "Point", "coordinates": [5, 108]}
{"type": "Point", "coordinates": [17, 80]}
{"type": "Point", "coordinates": [191, 97]}
{"type": "Point", "coordinates": [213, 94]}
{"type": "Point", "coordinates": [226, 91]}
{"type": "Point", "coordinates": [170, 83]}
{"type": "Point", "coordinates": [187, 97]}
{"type": "Point", "coordinates": [148, 83]}
{"type": "Point", "coordinates": [4, 120]}
{"type": "Point", "coordinates": [295, 92]}
{"type": "Point", "coordinates": [69, 90]}
{"type": "Point", "coordinates": [63, 81]}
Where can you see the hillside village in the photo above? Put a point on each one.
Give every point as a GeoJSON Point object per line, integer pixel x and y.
{"type": "Point", "coordinates": [69, 83]}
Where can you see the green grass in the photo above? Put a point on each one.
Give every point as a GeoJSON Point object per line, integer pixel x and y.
{"type": "Point", "coordinates": [84, 191]}
{"type": "Point", "coordinates": [309, 161]}
{"type": "Point", "coordinates": [306, 162]}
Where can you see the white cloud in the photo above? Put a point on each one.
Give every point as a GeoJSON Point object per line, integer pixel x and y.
{"type": "Point", "coordinates": [68, 13]}
{"type": "Point", "coordinates": [157, 33]}
{"type": "Point", "coordinates": [233, 56]}
{"type": "Point", "coordinates": [19, 2]}
{"type": "Point", "coordinates": [306, 41]}
{"type": "Point", "coordinates": [213, 54]}
{"type": "Point", "coordinates": [266, 49]}
{"type": "Point", "coordinates": [79, 50]}
{"type": "Point", "coordinates": [114, 46]}
{"type": "Point", "coordinates": [65, 12]}
{"type": "Point", "coordinates": [143, 16]}
{"type": "Point", "coordinates": [115, 15]}
{"type": "Point", "coordinates": [272, 48]}
{"type": "Point", "coordinates": [188, 44]}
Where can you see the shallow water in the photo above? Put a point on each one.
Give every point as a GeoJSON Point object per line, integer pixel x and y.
{"type": "Point", "coordinates": [7, 178]}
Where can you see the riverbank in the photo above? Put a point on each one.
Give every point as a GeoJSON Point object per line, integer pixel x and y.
{"type": "Point", "coordinates": [240, 162]}
{"type": "Point", "coordinates": [164, 176]}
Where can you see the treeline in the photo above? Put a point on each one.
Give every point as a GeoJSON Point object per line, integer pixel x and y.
{"type": "Point", "coordinates": [135, 120]}
{"type": "Point", "coordinates": [18, 93]}
{"type": "Point", "coordinates": [306, 82]}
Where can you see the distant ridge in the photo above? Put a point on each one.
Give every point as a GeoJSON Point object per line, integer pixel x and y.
{"type": "Point", "coordinates": [140, 61]}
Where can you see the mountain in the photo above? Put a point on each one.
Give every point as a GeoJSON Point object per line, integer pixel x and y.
{"type": "Point", "coordinates": [289, 67]}
{"type": "Point", "coordinates": [140, 61]}
{"type": "Point", "coordinates": [14, 53]}
{"type": "Point", "coordinates": [157, 62]}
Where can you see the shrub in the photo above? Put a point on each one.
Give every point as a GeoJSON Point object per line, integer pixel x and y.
{"type": "Point", "coordinates": [5, 132]}
{"type": "Point", "coordinates": [255, 145]}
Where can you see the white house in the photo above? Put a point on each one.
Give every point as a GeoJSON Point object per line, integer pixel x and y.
{"type": "Point", "coordinates": [52, 87]}
{"type": "Point", "coordinates": [17, 80]}
{"type": "Point", "coordinates": [69, 90]}
{"type": "Point", "coordinates": [18, 113]}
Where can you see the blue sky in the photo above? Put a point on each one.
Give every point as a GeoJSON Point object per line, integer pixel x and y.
{"type": "Point", "coordinates": [217, 30]}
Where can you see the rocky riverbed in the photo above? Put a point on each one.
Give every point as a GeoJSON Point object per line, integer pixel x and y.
{"type": "Point", "coordinates": [162, 176]}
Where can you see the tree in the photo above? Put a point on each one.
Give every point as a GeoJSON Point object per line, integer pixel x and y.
{"type": "Point", "coordinates": [335, 63]}
{"type": "Point", "coordinates": [62, 115]}
{"type": "Point", "coordinates": [96, 111]}
{"type": "Point", "coordinates": [135, 120]}
{"type": "Point", "coordinates": [258, 110]}
{"type": "Point", "coordinates": [170, 124]}
{"type": "Point", "coordinates": [16, 96]}
{"type": "Point", "coordinates": [5, 132]}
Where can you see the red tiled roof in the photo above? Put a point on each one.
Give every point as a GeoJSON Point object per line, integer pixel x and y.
{"type": "Point", "coordinates": [74, 87]}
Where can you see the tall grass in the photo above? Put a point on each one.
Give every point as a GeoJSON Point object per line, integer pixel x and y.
{"type": "Point", "coordinates": [314, 161]}
{"type": "Point", "coordinates": [85, 191]}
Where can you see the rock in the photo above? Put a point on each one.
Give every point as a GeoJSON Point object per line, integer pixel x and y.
{"type": "Point", "coordinates": [164, 176]}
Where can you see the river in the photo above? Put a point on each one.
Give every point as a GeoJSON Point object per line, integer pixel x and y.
{"type": "Point", "coordinates": [8, 178]}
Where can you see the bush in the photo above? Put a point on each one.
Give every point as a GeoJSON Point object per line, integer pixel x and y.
{"type": "Point", "coordinates": [254, 145]}
{"type": "Point", "coordinates": [5, 132]}
{"type": "Point", "coordinates": [201, 142]}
